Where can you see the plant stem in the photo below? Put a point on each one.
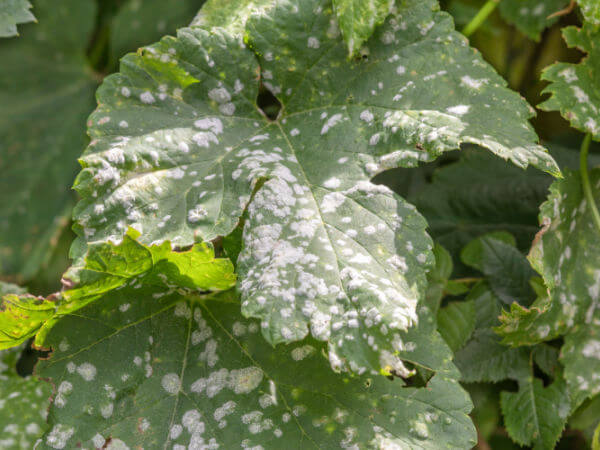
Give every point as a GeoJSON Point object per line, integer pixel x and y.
{"type": "Point", "coordinates": [585, 179]}
{"type": "Point", "coordinates": [480, 17]}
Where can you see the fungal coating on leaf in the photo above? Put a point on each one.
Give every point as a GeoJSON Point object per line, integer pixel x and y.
{"type": "Point", "coordinates": [189, 162]}
{"type": "Point", "coordinates": [253, 395]}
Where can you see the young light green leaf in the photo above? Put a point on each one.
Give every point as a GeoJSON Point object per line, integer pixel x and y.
{"type": "Point", "coordinates": [357, 20]}
{"type": "Point", "coordinates": [47, 89]}
{"type": "Point", "coordinates": [531, 17]}
{"type": "Point", "coordinates": [536, 415]}
{"type": "Point", "coordinates": [180, 144]}
{"type": "Point", "coordinates": [573, 87]}
{"type": "Point", "coordinates": [168, 372]}
{"type": "Point", "coordinates": [21, 316]}
{"type": "Point", "coordinates": [456, 322]}
{"type": "Point", "coordinates": [12, 13]}
{"type": "Point", "coordinates": [23, 404]}
{"type": "Point", "coordinates": [111, 266]}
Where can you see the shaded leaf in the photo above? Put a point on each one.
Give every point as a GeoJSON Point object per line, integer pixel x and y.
{"type": "Point", "coordinates": [170, 372]}
{"type": "Point", "coordinates": [536, 415]}
{"type": "Point", "coordinates": [13, 12]}
{"type": "Point", "coordinates": [531, 17]}
{"type": "Point", "coordinates": [508, 272]}
{"type": "Point", "coordinates": [46, 80]}
{"type": "Point", "coordinates": [23, 404]}
{"type": "Point", "coordinates": [456, 322]}
{"type": "Point", "coordinates": [141, 22]}
{"type": "Point", "coordinates": [179, 144]}
{"type": "Point", "coordinates": [437, 278]}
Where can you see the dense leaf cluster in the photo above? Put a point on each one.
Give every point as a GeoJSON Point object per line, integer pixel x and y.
{"type": "Point", "coordinates": [275, 243]}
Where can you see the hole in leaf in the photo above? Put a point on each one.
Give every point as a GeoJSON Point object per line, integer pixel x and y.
{"type": "Point", "coordinates": [268, 103]}
{"type": "Point", "coordinates": [28, 359]}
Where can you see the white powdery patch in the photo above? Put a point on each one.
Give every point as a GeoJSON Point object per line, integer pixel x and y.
{"type": "Point", "coordinates": [58, 437]}
{"type": "Point", "coordinates": [245, 380]}
{"type": "Point", "coordinates": [197, 214]}
{"type": "Point", "coordinates": [473, 83]}
{"type": "Point", "coordinates": [332, 183]}
{"type": "Point", "coordinates": [224, 410]}
{"type": "Point", "coordinates": [147, 97]}
{"type": "Point", "coordinates": [591, 349]}
{"type": "Point", "coordinates": [332, 201]}
{"type": "Point", "coordinates": [313, 42]}
{"type": "Point", "coordinates": [459, 110]}
{"type": "Point", "coordinates": [300, 353]}
{"type": "Point", "coordinates": [367, 116]}
{"type": "Point", "coordinates": [98, 440]}
{"type": "Point", "coordinates": [87, 371]}
{"type": "Point", "coordinates": [331, 122]}
{"type": "Point", "coordinates": [212, 124]}
{"type": "Point", "coordinates": [171, 383]}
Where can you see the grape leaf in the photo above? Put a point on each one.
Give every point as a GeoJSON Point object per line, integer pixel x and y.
{"type": "Point", "coordinates": [590, 10]}
{"type": "Point", "coordinates": [109, 266]}
{"type": "Point", "coordinates": [21, 316]}
{"type": "Point", "coordinates": [23, 404]}
{"type": "Point", "coordinates": [170, 372]}
{"type": "Point", "coordinates": [566, 253]}
{"type": "Point", "coordinates": [141, 22]}
{"type": "Point", "coordinates": [531, 17]}
{"type": "Point", "coordinates": [573, 87]}
{"type": "Point", "coordinates": [180, 144]}
{"type": "Point", "coordinates": [12, 13]}
{"type": "Point", "coordinates": [475, 196]}
{"type": "Point", "coordinates": [536, 415]}
{"type": "Point", "coordinates": [456, 322]}
{"type": "Point", "coordinates": [484, 358]}
{"type": "Point", "coordinates": [46, 82]}
{"type": "Point", "coordinates": [357, 20]}
{"type": "Point", "coordinates": [507, 271]}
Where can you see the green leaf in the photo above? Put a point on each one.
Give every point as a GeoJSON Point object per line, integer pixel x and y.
{"type": "Point", "coordinates": [230, 14]}
{"type": "Point", "coordinates": [475, 196]}
{"type": "Point", "coordinates": [536, 415]}
{"type": "Point", "coordinates": [587, 416]}
{"type": "Point", "coordinates": [23, 404]}
{"type": "Point", "coordinates": [573, 87]}
{"type": "Point", "coordinates": [13, 12]}
{"type": "Point", "coordinates": [141, 22]}
{"type": "Point", "coordinates": [590, 10]}
{"type": "Point", "coordinates": [528, 326]}
{"type": "Point", "coordinates": [180, 144]}
{"type": "Point", "coordinates": [21, 316]}
{"type": "Point", "coordinates": [357, 20]}
{"type": "Point", "coordinates": [508, 272]}
{"type": "Point", "coordinates": [437, 278]}
{"type": "Point", "coordinates": [484, 358]}
{"type": "Point", "coordinates": [456, 322]}
{"type": "Point", "coordinates": [48, 92]}
{"type": "Point", "coordinates": [531, 17]}
{"type": "Point", "coordinates": [566, 253]}
{"type": "Point", "coordinates": [169, 372]}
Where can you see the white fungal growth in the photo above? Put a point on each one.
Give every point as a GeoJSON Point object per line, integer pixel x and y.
{"type": "Point", "coordinates": [171, 383]}
{"type": "Point", "coordinates": [87, 371]}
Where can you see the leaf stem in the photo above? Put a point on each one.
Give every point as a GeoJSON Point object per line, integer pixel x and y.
{"type": "Point", "coordinates": [480, 17]}
{"type": "Point", "coordinates": [585, 179]}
